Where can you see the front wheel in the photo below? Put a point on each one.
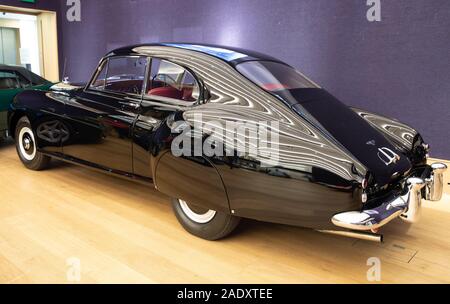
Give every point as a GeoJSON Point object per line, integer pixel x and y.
{"type": "Point", "coordinates": [204, 223]}
{"type": "Point", "coordinates": [26, 147]}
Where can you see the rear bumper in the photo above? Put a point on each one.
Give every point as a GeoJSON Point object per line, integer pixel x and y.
{"type": "Point", "coordinates": [406, 206]}
{"type": "Point", "coordinates": [434, 187]}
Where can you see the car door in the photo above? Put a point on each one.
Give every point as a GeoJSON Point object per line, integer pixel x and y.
{"type": "Point", "coordinates": [170, 89]}
{"type": "Point", "coordinates": [100, 118]}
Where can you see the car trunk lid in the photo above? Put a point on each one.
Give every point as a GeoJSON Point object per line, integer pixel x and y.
{"type": "Point", "coordinates": [364, 142]}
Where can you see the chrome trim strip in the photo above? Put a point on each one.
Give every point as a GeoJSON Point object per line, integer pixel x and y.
{"type": "Point", "coordinates": [390, 156]}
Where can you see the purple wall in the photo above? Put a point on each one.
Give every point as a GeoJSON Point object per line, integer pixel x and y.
{"type": "Point", "coordinates": [398, 67]}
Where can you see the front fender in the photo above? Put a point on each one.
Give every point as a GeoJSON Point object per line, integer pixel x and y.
{"type": "Point", "coordinates": [41, 110]}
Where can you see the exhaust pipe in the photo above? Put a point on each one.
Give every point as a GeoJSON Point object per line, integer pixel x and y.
{"type": "Point", "coordinates": [356, 235]}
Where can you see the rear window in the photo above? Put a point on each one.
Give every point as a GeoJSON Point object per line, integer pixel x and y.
{"type": "Point", "coordinates": [274, 76]}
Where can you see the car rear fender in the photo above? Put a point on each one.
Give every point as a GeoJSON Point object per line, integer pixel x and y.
{"type": "Point", "coordinates": [193, 179]}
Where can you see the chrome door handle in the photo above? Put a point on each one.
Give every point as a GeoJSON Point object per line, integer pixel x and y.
{"type": "Point", "coordinates": [132, 105]}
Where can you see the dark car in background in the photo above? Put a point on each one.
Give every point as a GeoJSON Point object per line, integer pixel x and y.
{"type": "Point", "coordinates": [13, 80]}
{"type": "Point", "coordinates": [339, 169]}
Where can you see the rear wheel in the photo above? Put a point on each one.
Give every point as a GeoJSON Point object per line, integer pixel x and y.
{"type": "Point", "coordinates": [26, 147]}
{"type": "Point", "coordinates": [204, 223]}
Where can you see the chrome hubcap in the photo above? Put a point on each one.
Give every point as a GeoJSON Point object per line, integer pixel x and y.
{"type": "Point", "coordinates": [27, 144]}
{"type": "Point", "coordinates": [196, 214]}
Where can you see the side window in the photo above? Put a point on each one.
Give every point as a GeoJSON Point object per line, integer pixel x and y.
{"type": "Point", "coordinates": [122, 74]}
{"type": "Point", "coordinates": [170, 80]}
{"type": "Point", "coordinates": [8, 80]}
{"type": "Point", "coordinates": [23, 82]}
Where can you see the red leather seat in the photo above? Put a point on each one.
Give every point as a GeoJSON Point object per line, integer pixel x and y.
{"type": "Point", "coordinates": [169, 92]}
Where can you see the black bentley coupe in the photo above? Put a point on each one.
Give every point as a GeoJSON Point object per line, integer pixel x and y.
{"type": "Point", "coordinates": [328, 166]}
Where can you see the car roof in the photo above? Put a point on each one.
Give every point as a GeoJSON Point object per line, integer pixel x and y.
{"type": "Point", "coordinates": [231, 55]}
{"type": "Point", "coordinates": [12, 67]}
{"type": "Point", "coordinates": [29, 75]}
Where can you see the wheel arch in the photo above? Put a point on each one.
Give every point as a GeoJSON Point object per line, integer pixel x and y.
{"type": "Point", "coordinates": [195, 180]}
{"type": "Point", "coordinates": [13, 119]}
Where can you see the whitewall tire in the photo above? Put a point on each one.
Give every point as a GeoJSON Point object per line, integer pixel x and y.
{"type": "Point", "coordinates": [26, 146]}
{"type": "Point", "coordinates": [202, 222]}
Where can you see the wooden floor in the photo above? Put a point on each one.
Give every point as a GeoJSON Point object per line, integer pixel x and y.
{"type": "Point", "coordinates": [122, 232]}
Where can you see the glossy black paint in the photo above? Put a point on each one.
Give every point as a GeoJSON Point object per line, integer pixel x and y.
{"type": "Point", "coordinates": [319, 172]}
{"type": "Point", "coordinates": [351, 130]}
{"type": "Point", "coordinates": [101, 130]}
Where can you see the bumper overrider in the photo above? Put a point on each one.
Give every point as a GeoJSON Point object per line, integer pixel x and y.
{"type": "Point", "coordinates": [406, 206]}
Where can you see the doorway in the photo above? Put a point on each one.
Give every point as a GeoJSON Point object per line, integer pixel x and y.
{"type": "Point", "coordinates": [9, 46]}
{"type": "Point", "coordinates": [28, 38]}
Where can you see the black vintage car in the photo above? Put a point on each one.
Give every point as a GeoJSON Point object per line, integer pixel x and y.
{"type": "Point", "coordinates": [331, 168]}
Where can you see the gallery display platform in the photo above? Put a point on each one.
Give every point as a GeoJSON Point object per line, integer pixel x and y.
{"type": "Point", "coordinates": [121, 232]}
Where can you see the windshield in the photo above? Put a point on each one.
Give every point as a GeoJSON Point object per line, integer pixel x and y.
{"type": "Point", "coordinates": [31, 79]}
{"type": "Point", "coordinates": [274, 77]}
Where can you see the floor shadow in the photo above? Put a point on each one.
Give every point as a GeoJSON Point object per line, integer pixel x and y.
{"type": "Point", "coordinates": [6, 143]}
{"type": "Point", "coordinates": [56, 164]}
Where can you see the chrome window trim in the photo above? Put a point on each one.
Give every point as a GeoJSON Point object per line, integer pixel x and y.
{"type": "Point", "coordinates": [168, 100]}
{"type": "Point", "coordinates": [148, 70]}
{"type": "Point", "coordinates": [95, 75]}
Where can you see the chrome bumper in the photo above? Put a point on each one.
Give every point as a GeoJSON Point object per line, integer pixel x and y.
{"type": "Point", "coordinates": [406, 207]}
{"type": "Point", "coordinates": [435, 184]}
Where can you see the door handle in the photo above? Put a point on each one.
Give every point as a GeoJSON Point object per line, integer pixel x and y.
{"type": "Point", "coordinates": [132, 105]}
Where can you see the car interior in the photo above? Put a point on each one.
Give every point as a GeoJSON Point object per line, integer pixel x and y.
{"type": "Point", "coordinates": [167, 80]}
{"type": "Point", "coordinates": [12, 80]}
{"type": "Point", "coordinates": [8, 83]}
{"type": "Point", "coordinates": [172, 81]}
